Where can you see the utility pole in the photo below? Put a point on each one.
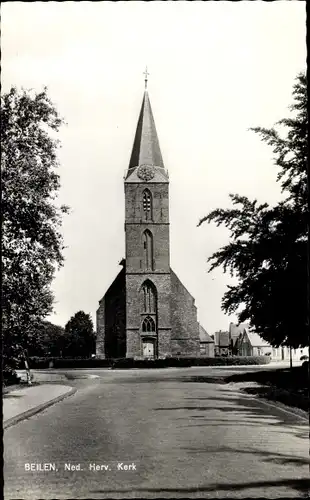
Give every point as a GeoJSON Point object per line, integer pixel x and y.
{"type": "Point", "coordinates": [291, 360]}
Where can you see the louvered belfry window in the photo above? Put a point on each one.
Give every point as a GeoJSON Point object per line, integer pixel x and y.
{"type": "Point", "coordinates": [147, 205]}
{"type": "Point", "coordinates": [148, 298]}
{"type": "Point", "coordinates": [148, 250]}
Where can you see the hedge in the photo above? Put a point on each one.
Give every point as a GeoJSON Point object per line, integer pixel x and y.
{"type": "Point", "coordinates": [41, 363]}
{"type": "Point", "coordinates": [232, 360]}
{"type": "Point", "coordinates": [9, 377]}
{"type": "Point", "coordinates": [152, 363]}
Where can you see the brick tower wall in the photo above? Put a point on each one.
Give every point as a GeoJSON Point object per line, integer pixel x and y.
{"type": "Point", "coordinates": [136, 274]}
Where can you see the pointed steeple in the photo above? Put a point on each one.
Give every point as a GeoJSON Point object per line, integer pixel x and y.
{"type": "Point", "coordinates": [146, 150]}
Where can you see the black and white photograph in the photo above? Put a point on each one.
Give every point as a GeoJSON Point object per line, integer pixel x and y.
{"type": "Point", "coordinates": [155, 267]}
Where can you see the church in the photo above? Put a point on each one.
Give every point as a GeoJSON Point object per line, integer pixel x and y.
{"type": "Point", "coordinates": [147, 312]}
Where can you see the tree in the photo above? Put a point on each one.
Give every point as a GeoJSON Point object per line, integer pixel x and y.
{"type": "Point", "coordinates": [32, 244]}
{"type": "Point", "coordinates": [267, 251]}
{"type": "Point", "coordinates": [80, 337]}
{"type": "Point", "coordinates": [49, 340]}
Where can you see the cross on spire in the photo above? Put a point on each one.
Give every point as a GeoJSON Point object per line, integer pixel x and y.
{"type": "Point", "coordinates": [146, 75]}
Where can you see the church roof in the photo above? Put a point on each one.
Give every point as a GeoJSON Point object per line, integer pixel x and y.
{"type": "Point", "coordinates": [203, 335]}
{"type": "Point", "coordinates": [146, 149]}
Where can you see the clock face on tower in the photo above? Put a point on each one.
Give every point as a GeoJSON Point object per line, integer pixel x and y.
{"type": "Point", "coordinates": [146, 172]}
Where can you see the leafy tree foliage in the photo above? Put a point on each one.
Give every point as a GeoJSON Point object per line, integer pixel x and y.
{"type": "Point", "coordinates": [267, 251]}
{"type": "Point", "coordinates": [80, 337]}
{"type": "Point", "coordinates": [49, 340]}
{"type": "Point", "coordinates": [31, 240]}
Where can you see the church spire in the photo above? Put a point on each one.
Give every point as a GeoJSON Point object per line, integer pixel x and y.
{"type": "Point", "coordinates": [146, 149]}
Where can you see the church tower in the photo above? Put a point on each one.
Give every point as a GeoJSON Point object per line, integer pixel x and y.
{"type": "Point", "coordinates": [147, 312]}
{"type": "Point", "coordinates": [147, 267]}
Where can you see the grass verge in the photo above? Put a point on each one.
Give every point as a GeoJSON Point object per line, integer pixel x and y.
{"type": "Point", "coordinates": [287, 386]}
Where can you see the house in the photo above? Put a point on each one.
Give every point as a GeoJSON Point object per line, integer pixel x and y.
{"type": "Point", "coordinates": [222, 344]}
{"type": "Point", "coordinates": [282, 353]}
{"type": "Point", "coordinates": [234, 334]}
{"type": "Point", "coordinates": [251, 344]}
{"type": "Point", "coordinates": [206, 343]}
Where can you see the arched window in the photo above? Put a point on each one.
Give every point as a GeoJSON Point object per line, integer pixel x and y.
{"type": "Point", "coordinates": [147, 208]}
{"type": "Point", "coordinates": [148, 249]}
{"type": "Point", "coordinates": [148, 293]}
{"type": "Point", "coordinates": [148, 325]}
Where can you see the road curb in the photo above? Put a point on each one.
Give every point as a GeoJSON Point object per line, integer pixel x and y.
{"type": "Point", "coordinates": [281, 406]}
{"type": "Point", "coordinates": [286, 409]}
{"type": "Point", "coordinates": [33, 411]}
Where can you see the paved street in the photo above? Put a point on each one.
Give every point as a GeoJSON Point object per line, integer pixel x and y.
{"type": "Point", "coordinates": [181, 437]}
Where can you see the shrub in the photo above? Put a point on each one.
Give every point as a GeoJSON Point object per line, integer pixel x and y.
{"type": "Point", "coordinates": [42, 363]}
{"type": "Point", "coordinates": [82, 363]}
{"type": "Point", "coordinates": [36, 362]}
{"type": "Point", "coordinates": [123, 363]}
{"type": "Point", "coordinates": [232, 360]}
{"type": "Point", "coordinates": [9, 377]}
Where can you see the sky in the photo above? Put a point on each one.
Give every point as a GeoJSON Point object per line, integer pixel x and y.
{"type": "Point", "coordinates": [216, 69]}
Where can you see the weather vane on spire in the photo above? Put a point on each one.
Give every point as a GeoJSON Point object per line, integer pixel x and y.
{"type": "Point", "coordinates": [146, 75]}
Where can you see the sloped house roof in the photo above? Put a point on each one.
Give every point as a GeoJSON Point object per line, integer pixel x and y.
{"type": "Point", "coordinates": [255, 339]}
{"type": "Point", "coordinates": [236, 330]}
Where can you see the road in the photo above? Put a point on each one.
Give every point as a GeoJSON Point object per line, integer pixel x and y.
{"type": "Point", "coordinates": [181, 436]}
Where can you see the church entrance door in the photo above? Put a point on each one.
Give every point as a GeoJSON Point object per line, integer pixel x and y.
{"type": "Point", "coordinates": [148, 348]}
